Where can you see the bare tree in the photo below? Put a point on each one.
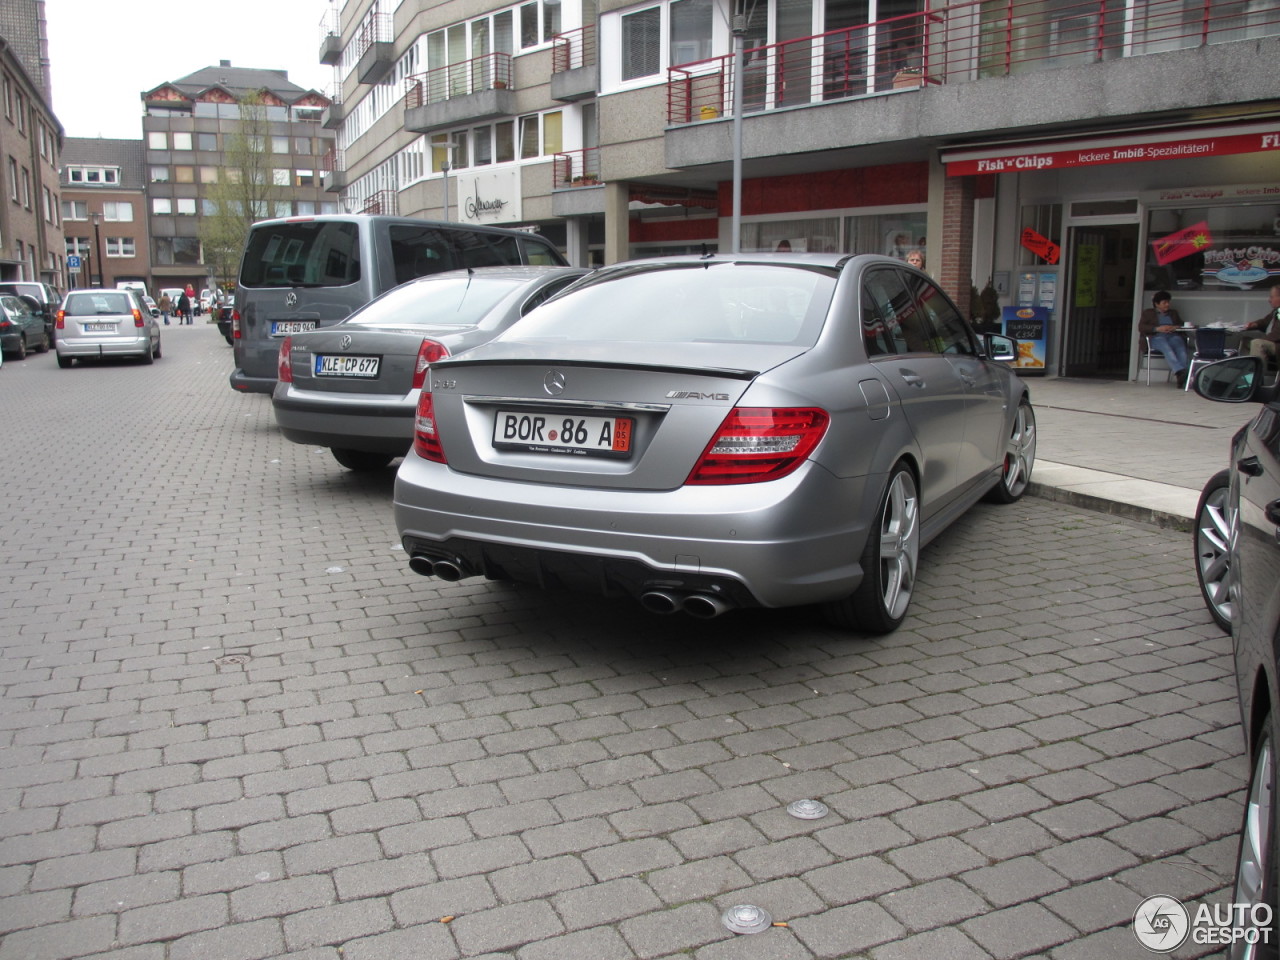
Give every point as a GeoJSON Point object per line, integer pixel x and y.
{"type": "Point", "coordinates": [244, 192]}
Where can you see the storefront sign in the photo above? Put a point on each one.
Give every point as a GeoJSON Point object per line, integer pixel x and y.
{"type": "Point", "coordinates": [1042, 247]}
{"type": "Point", "coordinates": [1135, 148]}
{"type": "Point", "coordinates": [489, 197]}
{"type": "Point", "coordinates": [1030, 327]}
{"type": "Point", "coordinates": [1184, 243]}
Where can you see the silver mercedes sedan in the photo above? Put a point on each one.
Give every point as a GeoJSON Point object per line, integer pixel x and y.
{"type": "Point", "coordinates": [353, 386]}
{"type": "Point", "coordinates": [705, 434]}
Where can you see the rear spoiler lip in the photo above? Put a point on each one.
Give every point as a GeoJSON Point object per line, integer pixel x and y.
{"type": "Point", "coordinates": [732, 373]}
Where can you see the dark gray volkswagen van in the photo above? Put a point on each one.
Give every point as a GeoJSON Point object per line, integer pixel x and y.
{"type": "Point", "coordinates": [300, 273]}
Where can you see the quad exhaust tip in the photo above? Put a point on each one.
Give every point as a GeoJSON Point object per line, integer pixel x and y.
{"type": "Point", "coordinates": [703, 606]}
{"type": "Point", "coordinates": [448, 570]}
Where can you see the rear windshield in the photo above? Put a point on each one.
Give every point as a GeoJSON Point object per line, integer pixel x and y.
{"type": "Point", "coordinates": [419, 251]}
{"type": "Point", "coordinates": [97, 304]}
{"type": "Point", "coordinates": [308, 253]}
{"type": "Point", "coordinates": [462, 301]}
{"type": "Point", "coordinates": [717, 302]}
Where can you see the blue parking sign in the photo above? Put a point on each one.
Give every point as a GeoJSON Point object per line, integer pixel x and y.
{"type": "Point", "coordinates": [73, 262]}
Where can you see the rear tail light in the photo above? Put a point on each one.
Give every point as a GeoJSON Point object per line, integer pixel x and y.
{"type": "Point", "coordinates": [60, 321]}
{"type": "Point", "coordinates": [235, 324]}
{"type": "Point", "coordinates": [756, 444]}
{"type": "Point", "coordinates": [137, 317]}
{"type": "Point", "coordinates": [426, 442]}
{"type": "Point", "coordinates": [428, 353]}
{"type": "Point", "coordinates": [284, 372]}
{"type": "Point", "coordinates": [5, 324]}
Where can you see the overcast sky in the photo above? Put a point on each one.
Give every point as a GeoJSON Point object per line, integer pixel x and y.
{"type": "Point", "coordinates": [103, 55]}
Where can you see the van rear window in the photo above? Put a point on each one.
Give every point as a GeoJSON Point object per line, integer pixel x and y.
{"type": "Point", "coordinates": [302, 254]}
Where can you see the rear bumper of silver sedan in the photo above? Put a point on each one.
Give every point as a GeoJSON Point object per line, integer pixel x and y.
{"type": "Point", "coordinates": [376, 424]}
{"type": "Point", "coordinates": [781, 543]}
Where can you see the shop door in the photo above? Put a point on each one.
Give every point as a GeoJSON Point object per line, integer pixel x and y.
{"type": "Point", "coordinates": [1102, 264]}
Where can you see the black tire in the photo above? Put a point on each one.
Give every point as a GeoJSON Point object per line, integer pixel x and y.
{"type": "Point", "coordinates": [157, 353]}
{"type": "Point", "coordinates": [43, 346]}
{"type": "Point", "coordinates": [361, 460]}
{"type": "Point", "coordinates": [148, 356]}
{"type": "Point", "coordinates": [21, 352]}
{"type": "Point", "coordinates": [879, 605]}
{"type": "Point", "coordinates": [1211, 537]}
{"type": "Point", "coordinates": [1019, 457]}
{"type": "Point", "coordinates": [64, 362]}
{"type": "Point", "coordinates": [1258, 858]}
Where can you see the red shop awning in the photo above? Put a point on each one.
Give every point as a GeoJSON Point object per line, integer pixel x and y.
{"type": "Point", "coordinates": [1166, 144]}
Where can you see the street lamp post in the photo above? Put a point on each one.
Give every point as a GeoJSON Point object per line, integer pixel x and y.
{"type": "Point", "coordinates": [97, 251]}
{"type": "Point", "coordinates": [445, 166]}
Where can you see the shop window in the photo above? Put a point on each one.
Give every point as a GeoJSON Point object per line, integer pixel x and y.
{"type": "Point", "coordinates": [1227, 251]}
{"type": "Point", "coordinates": [1044, 220]}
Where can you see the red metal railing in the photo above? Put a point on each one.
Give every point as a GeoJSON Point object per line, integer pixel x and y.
{"type": "Point", "coordinates": [377, 28]}
{"type": "Point", "coordinates": [334, 159]}
{"type": "Point", "coordinates": [577, 168]}
{"type": "Point", "coordinates": [967, 41]}
{"type": "Point", "coordinates": [573, 49]}
{"type": "Point", "coordinates": [384, 201]}
{"type": "Point", "coordinates": [329, 24]}
{"type": "Point", "coordinates": [490, 72]}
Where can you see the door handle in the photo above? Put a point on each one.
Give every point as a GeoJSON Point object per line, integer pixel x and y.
{"type": "Point", "coordinates": [1272, 512]}
{"type": "Point", "coordinates": [912, 380]}
{"type": "Point", "coordinates": [968, 381]}
{"type": "Point", "coordinates": [1249, 466]}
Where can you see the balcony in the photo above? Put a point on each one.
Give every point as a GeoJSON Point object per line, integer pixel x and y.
{"type": "Point", "coordinates": [330, 38]}
{"type": "Point", "coordinates": [468, 92]}
{"type": "Point", "coordinates": [333, 172]}
{"type": "Point", "coordinates": [374, 47]}
{"type": "Point", "coordinates": [966, 42]}
{"type": "Point", "coordinates": [386, 202]}
{"type": "Point", "coordinates": [331, 117]}
{"type": "Point", "coordinates": [576, 168]}
{"type": "Point", "coordinates": [575, 72]}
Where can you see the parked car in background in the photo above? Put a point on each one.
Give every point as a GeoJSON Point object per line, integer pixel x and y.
{"type": "Point", "coordinates": [224, 317]}
{"type": "Point", "coordinates": [43, 296]}
{"type": "Point", "coordinates": [353, 387]}
{"type": "Point", "coordinates": [105, 323]}
{"type": "Point", "coordinates": [301, 273]}
{"type": "Point", "coordinates": [705, 433]}
{"type": "Point", "coordinates": [21, 327]}
{"type": "Point", "coordinates": [1237, 545]}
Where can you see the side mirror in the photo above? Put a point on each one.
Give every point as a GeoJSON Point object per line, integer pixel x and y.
{"type": "Point", "coordinates": [1000, 347]}
{"type": "Point", "coordinates": [1235, 380]}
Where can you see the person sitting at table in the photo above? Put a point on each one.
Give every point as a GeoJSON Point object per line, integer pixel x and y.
{"type": "Point", "coordinates": [1263, 334]}
{"type": "Point", "coordinates": [1160, 322]}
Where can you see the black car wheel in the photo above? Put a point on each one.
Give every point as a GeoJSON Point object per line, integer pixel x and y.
{"type": "Point", "coordinates": [21, 352]}
{"type": "Point", "coordinates": [157, 353]}
{"type": "Point", "coordinates": [889, 561]}
{"type": "Point", "coordinates": [361, 460]}
{"type": "Point", "coordinates": [1258, 861]}
{"type": "Point", "coordinates": [1213, 531]}
{"type": "Point", "coordinates": [43, 345]}
{"type": "Point", "coordinates": [64, 362]}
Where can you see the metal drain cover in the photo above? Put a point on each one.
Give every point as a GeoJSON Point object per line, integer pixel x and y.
{"type": "Point", "coordinates": [745, 918]}
{"type": "Point", "coordinates": [807, 809]}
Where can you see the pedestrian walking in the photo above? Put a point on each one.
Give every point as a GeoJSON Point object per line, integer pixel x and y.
{"type": "Point", "coordinates": [166, 307]}
{"type": "Point", "coordinates": [184, 309]}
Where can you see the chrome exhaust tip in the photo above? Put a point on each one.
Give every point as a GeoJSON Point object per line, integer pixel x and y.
{"type": "Point", "coordinates": [703, 606]}
{"type": "Point", "coordinates": [659, 601]}
{"type": "Point", "coordinates": [420, 564]}
{"type": "Point", "coordinates": [448, 570]}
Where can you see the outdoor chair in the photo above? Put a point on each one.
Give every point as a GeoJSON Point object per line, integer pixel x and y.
{"type": "Point", "coordinates": [1210, 345]}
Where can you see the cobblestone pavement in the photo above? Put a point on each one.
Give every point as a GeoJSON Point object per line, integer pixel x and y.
{"type": "Point", "coordinates": [233, 725]}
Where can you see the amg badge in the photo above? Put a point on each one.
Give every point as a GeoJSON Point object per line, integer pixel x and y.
{"type": "Point", "coordinates": [695, 395]}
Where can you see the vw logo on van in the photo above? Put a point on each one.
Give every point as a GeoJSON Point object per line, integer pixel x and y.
{"type": "Point", "coordinates": [346, 341]}
{"type": "Point", "coordinates": [290, 299]}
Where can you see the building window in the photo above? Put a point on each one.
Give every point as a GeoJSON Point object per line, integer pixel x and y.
{"type": "Point", "coordinates": [75, 210]}
{"type": "Point", "coordinates": [159, 175]}
{"type": "Point", "coordinates": [117, 210]}
{"type": "Point", "coordinates": [20, 107]}
{"type": "Point", "coordinates": [26, 188]}
{"type": "Point", "coordinates": [182, 141]}
{"type": "Point", "coordinates": [157, 140]}
{"type": "Point", "coordinates": [176, 251]}
{"type": "Point", "coordinates": [304, 178]}
{"type": "Point", "coordinates": [207, 141]}
{"type": "Point", "coordinates": [8, 98]}
{"type": "Point", "coordinates": [306, 208]}
{"type": "Point", "coordinates": [184, 174]}
{"type": "Point", "coordinates": [77, 246]}
{"type": "Point", "coordinates": [93, 175]}
{"type": "Point", "coordinates": [50, 206]}
{"type": "Point", "coordinates": [208, 174]}
{"type": "Point", "coordinates": [161, 206]}
{"type": "Point", "coordinates": [280, 178]}
{"type": "Point", "coordinates": [13, 179]}
{"type": "Point", "coordinates": [302, 146]}
{"type": "Point", "coordinates": [186, 206]}
{"type": "Point", "coordinates": [642, 43]}
{"type": "Point", "coordinates": [121, 247]}
{"type": "Point", "coordinates": [279, 144]}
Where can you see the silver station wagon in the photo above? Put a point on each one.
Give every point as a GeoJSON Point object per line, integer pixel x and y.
{"type": "Point", "coordinates": [713, 433]}
{"type": "Point", "coordinates": [92, 324]}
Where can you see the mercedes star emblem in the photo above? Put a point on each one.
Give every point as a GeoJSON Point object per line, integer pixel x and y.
{"type": "Point", "coordinates": [553, 383]}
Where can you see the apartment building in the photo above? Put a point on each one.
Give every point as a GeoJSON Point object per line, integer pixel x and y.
{"type": "Point", "coordinates": [189, 127]}
{"type": "Point", "coordinates": [31, 246]}
{"type": "Point", "coordinates": [104, 208]}
{"type": "Point", "coordinates": [1077, 156]}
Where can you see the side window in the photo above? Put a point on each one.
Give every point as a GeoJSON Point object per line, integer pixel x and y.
{"type": "Point", "coordinates": [875, 332]}
{"type": "Point", "coordinates": [540, 255]}
{"type": "Point", "coordinates": [951, 333]}
{"type": "Point", "coordinates": [907, 326]}
{"type": "Point", "coordinates": [545, 294]}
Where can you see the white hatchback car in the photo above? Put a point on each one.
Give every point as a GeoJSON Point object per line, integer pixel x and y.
{"type": "Point", "coordinates": [105, 323]}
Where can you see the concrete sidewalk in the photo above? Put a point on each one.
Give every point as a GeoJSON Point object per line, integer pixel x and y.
{"type": "Point", "coordinates": [1127, 448]}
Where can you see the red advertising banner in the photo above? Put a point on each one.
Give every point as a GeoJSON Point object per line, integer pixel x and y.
{"type": "Point", "coordinates": [1184, 243]}
{"type": "Point", "coordinates": [1042, 247]}
{"type": "Point", "coordinates": [1131, 149]}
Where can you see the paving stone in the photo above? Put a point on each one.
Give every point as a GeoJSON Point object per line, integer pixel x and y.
{"type": "Point", "coordinates": [847, 931]}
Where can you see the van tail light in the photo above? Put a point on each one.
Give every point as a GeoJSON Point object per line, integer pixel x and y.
{"type": "Point", "coordinates": [235, 324]}
{"type": "Point", "coordinates": [137, 317]}
{"type": "Point", "coordinates": [428, 353]}
{"type": "Point", "coordinates": [60, 321]}
{"type": "Point", "coordinates": [755, 444]}
{"type": "Point", "coordinates": [426, 441]}
{"type": "Point", "coordinates": [284, 371]}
